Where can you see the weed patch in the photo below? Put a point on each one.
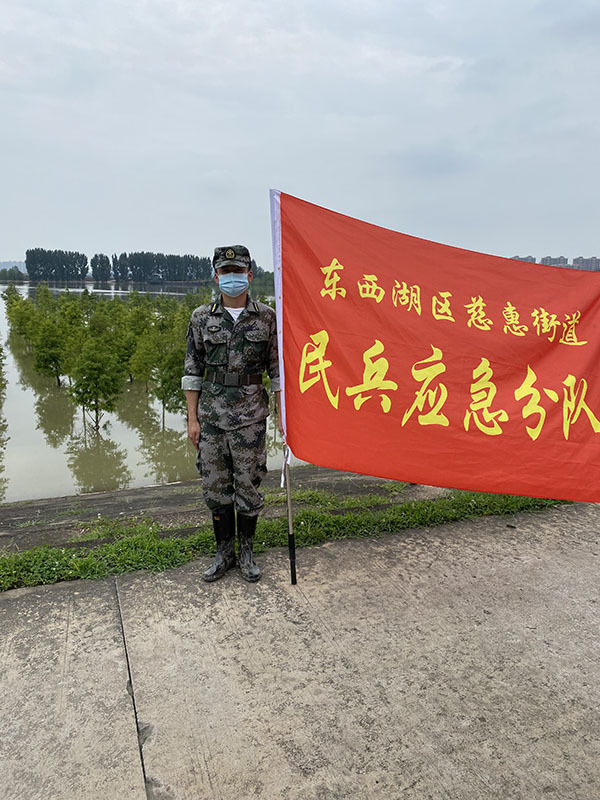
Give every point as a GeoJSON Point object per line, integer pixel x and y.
{"type": "Point", "coordinates": [28, 523]}
{"type": "Point", "coordinates": [75, 511]}
{"type": "Point", "coordinates": [106, 528]}
{"type": "Point", "coordinates": [137, 545]}
{"type": "Point", "coordinates": [312, 497]}
{"type": "Point", "coordinates": [394, 487]}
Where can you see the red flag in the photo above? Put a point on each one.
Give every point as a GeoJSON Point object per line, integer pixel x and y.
{"type": "Point", "coordinates": [416, 361]}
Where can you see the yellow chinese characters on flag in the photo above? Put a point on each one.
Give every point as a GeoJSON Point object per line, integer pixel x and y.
{"type": "Point", "coordinates": [416, 361]}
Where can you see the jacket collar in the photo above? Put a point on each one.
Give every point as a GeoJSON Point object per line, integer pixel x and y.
{"type": "Point", "coordinates": [218, 307]}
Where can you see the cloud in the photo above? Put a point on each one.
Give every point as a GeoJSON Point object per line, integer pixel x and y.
{"type": "Point", "coordinates": [432, 160]}
{"type": "Point", "coordinates": [170, 119]}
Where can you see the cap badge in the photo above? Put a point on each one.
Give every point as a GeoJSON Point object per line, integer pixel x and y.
{"type": "Point", "coordinates": [230, 253]}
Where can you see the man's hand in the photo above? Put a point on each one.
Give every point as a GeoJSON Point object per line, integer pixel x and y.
{"type": "Point", "coordinates": [279, 416]}
{"type": "Point", "coordinates": [194, 431]}
{"type": "Point", "coordinates": [191, 398]}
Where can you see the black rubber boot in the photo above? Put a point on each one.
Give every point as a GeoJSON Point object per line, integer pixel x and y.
{"type": "Point", "coordinates": [224, 525]}
{"type": "Point", "coordinates": [246, 527]}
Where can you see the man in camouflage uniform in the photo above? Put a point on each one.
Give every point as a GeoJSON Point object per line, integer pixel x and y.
{"type": "Point", "coordinates": [231, 342]}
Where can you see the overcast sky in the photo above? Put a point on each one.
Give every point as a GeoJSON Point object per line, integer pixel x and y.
{"type": "Point", "coordinates": [161, 124]}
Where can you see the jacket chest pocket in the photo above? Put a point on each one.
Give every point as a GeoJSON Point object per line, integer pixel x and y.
{"type": "Point", "coordinates": [255, 345]}
{"type": "Point", "coordinates": [215, 346]}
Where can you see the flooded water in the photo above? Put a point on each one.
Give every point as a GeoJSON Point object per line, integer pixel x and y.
{"type": "Point", "coordinates": [47, 449]}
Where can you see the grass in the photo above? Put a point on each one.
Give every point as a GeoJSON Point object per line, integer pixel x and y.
{"type": "Point", "coordinates": [313, 497]}
{"type": "Point", "coordinates": [74, 511]}
{"type": "Point", "coordinates": [136, 544]}
{"type": "Point", "coordinates": [365, 501]}
{"type": "Point", "coordinates": [319, 498]}
{"type": "Point", "coordinates": [394, 487]}
{"type": "Point", "coordinates": [107, 528]}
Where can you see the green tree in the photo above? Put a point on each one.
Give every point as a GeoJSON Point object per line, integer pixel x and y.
{"type": "Point", "coordinates": [81, 265]}
{"type": "Point", "coordinates": [263, 285]}
{"type": "Point", "coordinates": [99, 377]}
{"type": "Point", "coordinates": [160, 266]}
{"type": "Point", "coordinates": [194, 299]}
{"type": "Point", "coordinates": [71, 325]}
{"type": "Point", "coordinates": [100, 268]}
{"type": "Point", "coordinates": [166, 375]}
{"type": "Point", "coordinates": [12, 297]}
{"type": "Point", "coordinates": [55, 265]}
{"type": "Point", "coordinates": [45, 302]}
{"type": "Point", "coordinates": [36, 263]}
{"type": "Point", "coordinates": [120, 268]}
{"type": "Point", "coordinates": [145, 357]}
{"type": "Point", "coordinates": [21, 313]}
{"type": "Point", "coordinates": [58, 333]}
{"type": "Point", "coordinates": [141, 266]}
{"type": "Point", "coordinates": [165, 309]}
{"type": "Point", "coordinates": [88, 302]}
{"type": "Point", "coordinates": [12, 274]}
{"type": "Point", "coordinates": [49, 349]}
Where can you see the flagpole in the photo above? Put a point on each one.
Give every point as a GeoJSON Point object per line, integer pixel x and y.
{"type": "Point", "coordinates": [275, 201]}
{"type": "Point", "coordinates": [291, 540]}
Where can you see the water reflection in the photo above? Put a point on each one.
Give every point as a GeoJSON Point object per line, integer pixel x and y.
{"type": "Point", "coordinates": [97, 463]}
{"type": "Point", "coordinates": [54, 409]}
{"type": "Point", "coordinates": [55, 414]}
{"type": "Point", "coordinates": [105, 290]}
{"type": "Point", "coordinates": [28, 378]}
{"type": "Point", "coordinates": [166, 455]}
{"type": "Point", "coordinates": [4, 437]}
{"type": "Point", "coordinates": [134, 408]}
{"type": "Point", "coordinates": [47, 449]}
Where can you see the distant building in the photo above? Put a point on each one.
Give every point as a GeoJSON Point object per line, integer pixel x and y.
{"type": "Point", "coordinates": [590, 264]}
{"type": "Point", "coordinates": [20, 265]}
{"type": "Point", "coordinates": [559, 261]}
{"type": "Point", "coordinates": [531, 259]}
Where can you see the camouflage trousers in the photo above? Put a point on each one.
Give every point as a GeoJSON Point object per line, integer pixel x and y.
{"type": "Point", "coordinates": [232, 465]}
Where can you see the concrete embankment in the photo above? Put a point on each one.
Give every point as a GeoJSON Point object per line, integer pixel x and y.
{"type": "Point", "coordinates": [458, 662]}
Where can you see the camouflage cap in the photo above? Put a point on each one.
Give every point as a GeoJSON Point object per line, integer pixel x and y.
{"type": "Point", "coordinates": [234, 254]}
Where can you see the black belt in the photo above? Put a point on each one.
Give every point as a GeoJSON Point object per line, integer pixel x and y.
{"type": "Point", "coordinates": [232, 378]}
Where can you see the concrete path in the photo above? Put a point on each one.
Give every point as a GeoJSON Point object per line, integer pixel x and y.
{"type": "Point", "coordinates": [458, 662]}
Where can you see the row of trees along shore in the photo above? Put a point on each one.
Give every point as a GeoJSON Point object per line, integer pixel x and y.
{"type": "Point", "coordinates": [9, 274]}
{"type": "Point", "coordinates": [92, 346]}
{"type": "Point", "coordinates": [68, 266]}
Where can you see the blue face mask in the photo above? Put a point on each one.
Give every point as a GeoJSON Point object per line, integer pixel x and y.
{"type": "Point", "coordinates": [233, 283]}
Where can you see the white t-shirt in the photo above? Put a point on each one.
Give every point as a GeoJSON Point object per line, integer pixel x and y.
{"type": "Point", "coordinates": [235, 312]}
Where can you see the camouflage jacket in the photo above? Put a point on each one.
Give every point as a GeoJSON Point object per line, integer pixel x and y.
{"type": "Point", "coordinates": [216, 343]}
